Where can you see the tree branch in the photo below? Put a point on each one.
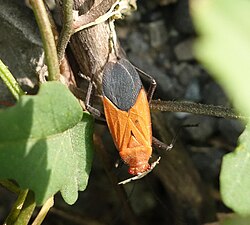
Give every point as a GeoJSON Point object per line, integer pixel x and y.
{"type": "Point", "coordinates": [195, 108]}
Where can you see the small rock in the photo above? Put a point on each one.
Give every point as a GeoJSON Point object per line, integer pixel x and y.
{"type": "Point", "coordinates": [166, 2]}
{"type": "Point", "coordinates": [122, 32]}
{"type": "Point", "coordinates": [158, 33]}
{"type": "Point", "coordinates": [213, 94]}
{"type": "Point", "coordinates": [193, 92]}
{"type": "Point", "coordinates": [151, 16]}
{"type": "Point", "coordinates": [177, 91]}
{"type": "Point", "coordinates": [207, 161]}
{"type": "Point", "coordinates": [231, 130]}
{"type": "Point", "coordinates": [205, 128]}
{"type": "Point", "coordinates": [184, 50]}
{"type": "Point", "coordinates": [185, 72]}
{"type": "Point", "coordinates": [163, 58]}
{"type": "Point", "coordinates": [182, 20]}
{"type": "Point", "coordinates": [137, 43]}
{"type": "Point", "coordinates": [147, 6]}
{"type": "Point", "coordinates": [20, 54]}
{"type": "Point", "coordinates": [165, 85]}
{"type": "Point", "coordinates": [173, 33]}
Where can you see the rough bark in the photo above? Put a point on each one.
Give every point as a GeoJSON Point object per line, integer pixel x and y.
{"type": "Point", "coordinates": [91, 46]}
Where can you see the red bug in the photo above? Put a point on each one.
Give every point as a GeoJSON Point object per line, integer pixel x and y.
{"type": "Point", "coordinates": [126, 109]}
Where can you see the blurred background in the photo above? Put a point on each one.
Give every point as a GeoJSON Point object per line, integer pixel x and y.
{"type": "Point", "coordinates": [184, 187]}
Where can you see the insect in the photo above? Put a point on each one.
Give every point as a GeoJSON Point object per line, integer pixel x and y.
{"type": "Point", "coordinates": [126, 109]}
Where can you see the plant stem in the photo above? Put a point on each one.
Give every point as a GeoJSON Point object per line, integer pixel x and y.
{"type": "Point", "coordinates": [67, 28]}
{"type": "Point", "coordinates": [195, 108]}
{"type": "Point", "coordinates": [15, 211]}
{"type": "Point", "coordinates": [43, 212]}
{"type": "Point", "coordinates": [47, 38]}
{"type": "Point", "coordinates": [10, 81]}
{"type": "Point", "coordinates": [27, 210]}
{"type": "Point", "coordinates": [10, 186]}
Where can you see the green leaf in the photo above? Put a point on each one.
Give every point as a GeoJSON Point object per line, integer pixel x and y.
{"type": "Point", "coordinates": [223, 45]}
{"type": "Point", "coordinates": [234, 177]}
{"type": "Point", "coordinates": [236, 220]}
{"type": "Point", "coordinates": [46, 143]}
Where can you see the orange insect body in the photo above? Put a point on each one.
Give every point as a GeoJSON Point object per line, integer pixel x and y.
{"type": "Point", "coordinates": [131, 132]}
{"type": "Point", "coordinates": [130, 126]}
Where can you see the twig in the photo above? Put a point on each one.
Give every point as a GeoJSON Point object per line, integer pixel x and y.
{"type": "Point", "coordinates": [65, 67]}
{"type": "Point", "coordinates": [43, 212]}
{"type": "Point", "coordinates": [67, 28]}
{"type": "Point", "coordinates": [116, 11]}
{"type": "Point", "coordinates": [16, 208]}
{"type": "Point", "coordinates": [47, 38]}
{"type": "Point", "coordinates": [10, 186]}
{"type": "Point", "coordinates": [10, 81]}
{"type": "Point", "coordinates": [93, 15]}
{"type": "Point", "coordinates": [27, 210]}
{"type": "Point", "coordinates": [195, 108]}
{"type": "Point", "coordinates": [91, 47]}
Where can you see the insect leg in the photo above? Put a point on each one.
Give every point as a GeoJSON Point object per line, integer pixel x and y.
{"type": "Point", "coordinates": [95, 112]}
{"type": "Point", "coordinates": [153, 83]}
{"type": "Point", "coordinates": [160, 145]}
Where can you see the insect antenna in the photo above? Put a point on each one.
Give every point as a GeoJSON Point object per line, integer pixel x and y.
{"type": "Point", "coordinates": [160, 145]}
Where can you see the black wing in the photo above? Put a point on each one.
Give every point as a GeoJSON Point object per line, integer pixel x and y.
{"type": "Point", "coordinates": [121, 84]}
